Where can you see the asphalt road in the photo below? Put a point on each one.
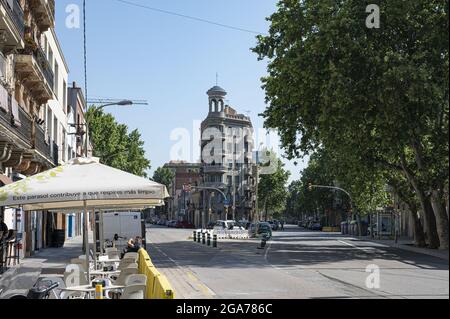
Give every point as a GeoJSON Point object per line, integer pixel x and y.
{"type": "Point", "coordinates": [295, 264]}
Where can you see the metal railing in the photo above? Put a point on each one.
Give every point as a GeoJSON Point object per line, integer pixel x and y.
{"type": "Point", "coordinates": [55, 154]}
{"type": "Point", "coordinates": [44, 66]}
{"type": "Point", "coordinates": [24, 131]}
{"type": "Point", "coordinates": [16, 14]}
{"type": "Point", "coordinates": [41, 144]}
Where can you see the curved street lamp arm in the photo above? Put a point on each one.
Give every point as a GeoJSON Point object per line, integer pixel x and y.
{"type": "Point", "coordinates": [337, 188]}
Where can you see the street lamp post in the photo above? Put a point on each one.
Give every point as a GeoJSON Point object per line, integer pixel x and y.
{"type": "Point", "coordinates": [120, 103]}
{"type": "Point", "coordinates": [101, 107]}
{"type": "Point", "coordinates": [257, 182]}
{"type": "Point", "coordinates": [311, 186]}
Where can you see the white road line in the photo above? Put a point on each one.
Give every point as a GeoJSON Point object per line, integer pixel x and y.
{"type": "Point", "coordinates": [267, 250]}
{"type": "Point", "coordinates": [352, 245]}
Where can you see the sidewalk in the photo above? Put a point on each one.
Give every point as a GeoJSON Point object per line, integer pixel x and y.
{"type": "Point", "coordinates": [55, 260]}
{"type": "Point", "coordinates": [408, 244]}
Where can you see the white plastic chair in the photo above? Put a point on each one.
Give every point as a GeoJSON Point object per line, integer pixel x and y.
{"type": "Point", "coordinates": [120, 281]}
{"type": "Point", "coordinates": [134, 292]}
{"type": "Point", "coordinates": [125, 262]}
{"type": "Point", "coordinates": [137, 279]}
{"type": "Point", "coordinates": [134, 256]}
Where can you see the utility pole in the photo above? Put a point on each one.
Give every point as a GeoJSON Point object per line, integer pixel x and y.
{"type": "Point", "coordinates": [234, 177]}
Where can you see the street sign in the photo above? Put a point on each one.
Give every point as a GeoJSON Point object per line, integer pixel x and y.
{"type": "Point", "coordinates": [226, 202]}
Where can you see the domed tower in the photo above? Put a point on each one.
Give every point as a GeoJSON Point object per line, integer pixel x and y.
{"type": "Point", "coordinates": [216, 99]}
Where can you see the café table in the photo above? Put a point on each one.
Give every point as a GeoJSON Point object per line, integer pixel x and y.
{"type": "Point", "coordinates": [88, 289]}
{"type": "Point", "coordinates": [104, 273]}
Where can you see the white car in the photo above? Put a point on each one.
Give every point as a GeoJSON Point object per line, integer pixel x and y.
{"type": "Point", "coordinates": [227, 224]}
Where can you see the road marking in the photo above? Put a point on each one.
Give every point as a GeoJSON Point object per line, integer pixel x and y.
{"type": "Point", "coordinates": [267, 250]}
{"type": "Point", "coordinates": [205, 289]}
{"type": "Point", "coordinates": [352, 245]}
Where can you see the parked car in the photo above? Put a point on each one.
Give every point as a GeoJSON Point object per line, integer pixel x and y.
{"type": "Point", "coordinates": [274, 225]}
{"type": "Point", "coordinates": [316, 226]}
{"type": "Point", "coordinates": [171, 223]}
{"type": "Point", "coordinates": [186, 225]}
{"type": "Point", "coordinates": [210, 225]}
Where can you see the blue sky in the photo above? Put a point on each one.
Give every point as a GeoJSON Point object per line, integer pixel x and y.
{"type": "Point", "coordinates": [169, 61]}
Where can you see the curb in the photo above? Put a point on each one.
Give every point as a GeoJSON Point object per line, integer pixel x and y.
{"type": "Point", "coordinates": [424, 251]}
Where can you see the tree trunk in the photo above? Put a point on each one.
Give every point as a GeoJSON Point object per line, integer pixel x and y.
{"type": "Point", "coordinates": [441, 218]}
{"type": "Point", "coordinates": [430, 222]}
{"type": "Point", "coordinates": [419, 235]}
{"type": "Point", "coordinates": [429, 218]}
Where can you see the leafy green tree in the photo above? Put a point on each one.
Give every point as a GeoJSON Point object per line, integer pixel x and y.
{"type": "Point", "coordinates": [272, 192]}
{"type": "Point", "coordinates": [164, 175]}
{"type": "Point", "coordinates": [114, 145]}
{"type": "Point", "coordinates": [377, 96]}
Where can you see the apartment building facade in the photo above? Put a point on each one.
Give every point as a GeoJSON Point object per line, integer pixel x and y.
{"type": "Point", "coordinates": [34, 128]}
{"type": "Point", "coordinates": [227, 160]}
{"type": "Point", "coordinates": [183, 205]}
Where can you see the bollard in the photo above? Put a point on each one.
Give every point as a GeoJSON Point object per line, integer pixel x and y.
{"type": "Point", "coordinates": [99, 291]}
{"type": "Point", "coordinates": [198, 237]}
{"type": "Point", "coordinates": [203, 238]}
{"type": "Point", "coordinates": [195, 236]}
{"type": "Point", "coordinates": [263, 242]}
{"type": "Point", "coordinates": [209, 239]}
{"type": "Point", "coordinates": [215, 241]}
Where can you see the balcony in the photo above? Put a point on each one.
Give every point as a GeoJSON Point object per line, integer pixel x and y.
{"type": "Point", "coordinates": [20, 135]}
{"type": "Point", "coordinates": [12, 25]}
{"type": "Point", "coordinates": [36, 74]}
{"type": "Point", "coordinates": [214, 169]}
{"type": "Point", "coordinates": [44, 13]}
{"type": "Point", "coordinates": [41, 144]}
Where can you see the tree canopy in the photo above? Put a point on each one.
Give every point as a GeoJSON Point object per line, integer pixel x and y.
{"type": "Point", "coordinates": [163, 175]}
{"type": "Point", "coordinates": [272, 192]}
{"type": "Point", "coordinates": [378, 97]}
{"type": "Point", "coordinates": [114, 145]}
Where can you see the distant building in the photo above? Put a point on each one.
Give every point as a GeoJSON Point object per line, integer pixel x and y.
{"type": "Point", "coordinates": [77, 113]}
{"type": "Point", "coordinates": [181, 204]}
{"type": "Point", "coordinates": [226, 156]}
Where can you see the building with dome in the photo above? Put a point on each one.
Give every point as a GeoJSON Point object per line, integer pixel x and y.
{"type": "Point", "coordinates": [226, 157]}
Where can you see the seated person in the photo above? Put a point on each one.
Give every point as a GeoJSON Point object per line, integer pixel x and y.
{"type": "Point", "coordinates": [138, 243]}
{"type": "Point", "coordinates": [130, 248]}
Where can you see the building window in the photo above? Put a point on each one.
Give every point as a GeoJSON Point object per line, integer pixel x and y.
{"type": "Point", "coordinates": [56, 82]}
{"type": "Point", "coordinates": [50, 57]}
{"type": "Point", "coordinates": [65, 96]}
{"type": "Point", "coordinates": [55, 130]}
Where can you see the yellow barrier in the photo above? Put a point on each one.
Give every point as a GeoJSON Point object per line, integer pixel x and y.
{"type": "Point", "coordinates": [158, 287]}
